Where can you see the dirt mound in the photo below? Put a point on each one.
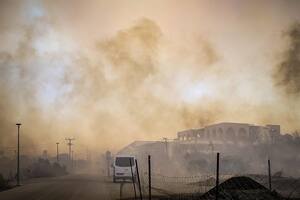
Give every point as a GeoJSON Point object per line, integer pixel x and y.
{"type": "Point", "coordinates": [241, 188]}
{"type": "Point", "coordinates": [241, 183]}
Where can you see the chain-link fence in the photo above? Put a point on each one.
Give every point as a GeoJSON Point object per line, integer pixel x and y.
{"type": "Point", "coordinates": [176, 185]}
{"type": "Point", "coordinates": [189, 187]}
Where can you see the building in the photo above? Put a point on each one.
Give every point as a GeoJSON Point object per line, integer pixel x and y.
{"type": "Point", "coordinates": [228, 132]}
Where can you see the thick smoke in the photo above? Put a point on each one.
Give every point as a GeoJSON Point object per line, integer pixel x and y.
{"type": "Point", "coordinates": [24, 76]}
{"type": "Point", "coordinates": [108, 81]}
{"type": "Point", "coordinates": [132, 53]}
{"type": "Point", "coordinates": [288, 70]}
{"type": "Point", "coordinates": [112, 95]}
{"type": "Point", "coordinates": [117, 92]}
{"type": "Point", "coordinates": [21, 80]}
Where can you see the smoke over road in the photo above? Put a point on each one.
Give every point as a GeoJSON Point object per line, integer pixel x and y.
{"type": "Point", "coordinates": [107, 79]}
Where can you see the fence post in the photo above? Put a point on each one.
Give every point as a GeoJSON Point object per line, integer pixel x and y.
{"type": "Point", "coordinates": [121, 190]}
{"type": "Point", "coordinates": [217, 176]}
{"type": "Point", "coordinates": [149, 175]}
{"type": "Point", "coordinates": [133, 181]}
{"type": "Point", "coordinates": [269, 174]}
{"type": "Point", "coordinates": [138, 177]}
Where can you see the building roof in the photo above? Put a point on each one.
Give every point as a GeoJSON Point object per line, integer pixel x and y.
{"type": "Point", "coordinates": [132, 146]}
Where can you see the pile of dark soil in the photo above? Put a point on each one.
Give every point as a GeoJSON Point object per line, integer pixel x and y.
{"type": "Point", "coordinates": [235, 188]}
{"type": "Point", "coordinates": [241, 188]}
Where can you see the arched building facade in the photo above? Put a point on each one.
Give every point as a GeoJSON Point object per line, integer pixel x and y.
{"type": "Point", "coordinates": [227, 132]}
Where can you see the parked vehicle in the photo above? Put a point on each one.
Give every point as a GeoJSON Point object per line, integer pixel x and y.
{"type": "Point", "coordinates": [122, 168]}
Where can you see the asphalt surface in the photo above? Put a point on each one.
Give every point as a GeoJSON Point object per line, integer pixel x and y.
{"type": "Point", "coordinates": [71, 187]}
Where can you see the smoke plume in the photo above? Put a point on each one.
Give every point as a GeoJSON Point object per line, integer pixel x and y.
{"type": "Point", "coordinates": [287, 75]}
{"type": "Point", "coordinates": [139, 72]}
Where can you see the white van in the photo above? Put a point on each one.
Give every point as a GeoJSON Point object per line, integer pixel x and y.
{"type": "Point", "coordinates": [122, 169]}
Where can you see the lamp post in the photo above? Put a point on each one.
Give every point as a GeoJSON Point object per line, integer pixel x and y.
{"type": "Point", "coordinates": [57, 143]}
{"type": "Point", "coordinates": [18, 156]}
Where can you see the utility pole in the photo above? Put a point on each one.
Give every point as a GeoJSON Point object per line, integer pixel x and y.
{"type": "Point", "coordinates": [72, 159]}
{"type": "Point", "coordinates": [57, 143]}
{"type": "Point", "coordinates": [70, 146]}
{"type": "Point", "coordinates": [18, 156]}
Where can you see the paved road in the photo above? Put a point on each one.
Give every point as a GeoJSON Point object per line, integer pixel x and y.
{"type": "Point", "coordinates": [72, 187]}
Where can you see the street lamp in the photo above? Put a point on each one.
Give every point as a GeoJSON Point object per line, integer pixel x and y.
{"type": "Point", "coordinates": [57, 143]}
{"type": "Point", "coordinates": [18, 156]}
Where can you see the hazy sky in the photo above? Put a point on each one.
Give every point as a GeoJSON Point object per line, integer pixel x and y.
{"type": "Point", "coordinates": [108, 72]}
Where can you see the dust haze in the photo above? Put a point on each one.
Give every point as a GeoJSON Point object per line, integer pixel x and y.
{"type": "Point", "coordinates": [108, 73]}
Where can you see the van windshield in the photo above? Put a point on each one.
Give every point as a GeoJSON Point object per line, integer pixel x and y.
{"type": "Point", "coordinates": [124, 161]}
